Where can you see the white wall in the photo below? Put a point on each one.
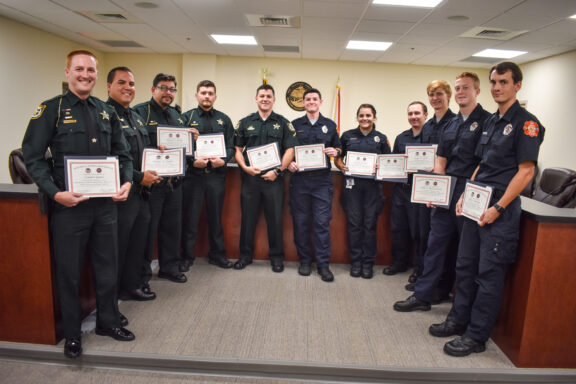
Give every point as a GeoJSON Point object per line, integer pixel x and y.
{"type": "Point", "coordinates": [34, 70]}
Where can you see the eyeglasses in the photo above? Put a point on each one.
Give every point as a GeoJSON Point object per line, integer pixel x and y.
{"type": "Point", "coordinates": [164, 88]}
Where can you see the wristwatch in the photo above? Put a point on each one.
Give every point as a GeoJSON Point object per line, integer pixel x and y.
{"type": "Point", "coordinates": [499, 208]}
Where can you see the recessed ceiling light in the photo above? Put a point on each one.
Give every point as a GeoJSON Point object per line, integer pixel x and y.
{"type": "Point", "coordinates": [499, 53]}
{"type": "Point", "coordinates": [368, 45]}
{"type": "Point", "coordinates": [573, 17]}
{"type": "Point", "coordinates": [409, 3]}
{"type": "Point", "coordinates": [235, 39]}
{"type": "Point", "coordinates": [145, 4]}
{"type": "Point", "coordinates": [458, 18]}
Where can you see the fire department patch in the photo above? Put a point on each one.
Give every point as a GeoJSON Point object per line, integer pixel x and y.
{"type": "Point", "coordinates": [531, 128]}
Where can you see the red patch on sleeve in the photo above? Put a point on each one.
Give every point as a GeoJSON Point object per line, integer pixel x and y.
{"type": "Point", "coordinates": [531, 128]}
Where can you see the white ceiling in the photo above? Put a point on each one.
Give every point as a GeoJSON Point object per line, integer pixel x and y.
{"type": "Point", "coordinates": [420, 35]}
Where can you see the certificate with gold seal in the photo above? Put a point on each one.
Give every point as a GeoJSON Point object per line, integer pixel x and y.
{"type": "Point", "coordinates": [264, 157]}
{"type": "Point", "coordinates": [420, 157]}
{"type": "Point", "coordinates": [361, 164]}
{"type": "Point", "coordinates": [175, 137]}
{"type": "Point", "coordinates": [475, 200]}
{"type": "Point", "coordinates": [392, 168]}
{"type": "Point", "coordinates": [310, 157]}
{"type": "Point", "coordinates": [92, 176]}
{"type": "Point", "coordinates": [167, 163]}
{"type": "Point", "coordinates": [211, 145]}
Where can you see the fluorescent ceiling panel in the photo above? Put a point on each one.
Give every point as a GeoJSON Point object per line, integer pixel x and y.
{"type": "Point", "coordinates": [499, 53]}
{"type": "Point", "coordinates": [409, 3]}
{"type": "Point", "coordinates": [368, 45]}
{"type": "Point", "coordinates": [235, 39]}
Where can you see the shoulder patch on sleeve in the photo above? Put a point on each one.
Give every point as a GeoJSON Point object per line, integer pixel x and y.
{"type": "Point", "coordinates": [531, 128]}
{"type": "Point", "coordinates": [237, 126]}
{"type": "Point", "coordinates": [39, 111]}
{"type": "Point", "coordinates": [290, 127]}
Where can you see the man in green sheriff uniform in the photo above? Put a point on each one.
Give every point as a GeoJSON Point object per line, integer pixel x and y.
{"type": "Point", "coordinates": [206, 179]}
{"type": "Point", "coordinates": [77, 124]}
{"type": "Point", "coordinates": [134, 213]}
{"type": "Point", "coordinates": [260, 128]}
{"type": "Point", "coordinates": [166, 196]}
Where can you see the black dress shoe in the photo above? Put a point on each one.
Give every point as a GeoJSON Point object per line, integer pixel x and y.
{"type": "Point", "coordinates": [410, 287]}
{"type": "Point", "coordinates": [146, 288]}
{"type": "Point", "coordinates": [137, 294]}
{"type": "Point", "coordinates": [175, 277]}
{"type": "Point", "coordinates": [411, 304]}
{"type": "Point", "coordinates": [221, 262]}
{"type": "Point", "coordinates": [356, 270]}
{"type": "Point", "coordinates": [241, 264]}
{"type": "Point", "coordinates": [277, 266]}
{"type": "Point", "coordinates": [463, 346]}
{"type": "Point", "coordinates": [73, 348]}
{"type": "Point", "coordinates": [123, 320]}
{"type": "Point", "coordinates": [413, 277]}
{"type": "Point", "coordinates": [393, 269]}
{"type": "Point", "coordinates": [446, 329]}
{"type": "Point", "coordinates": [120, 334]}
{"type": "Point", "coordinates": [367, 272]}
{"type": "Point", "coordinates": [304, 270]}
{"type": "Point", "coordinates": [325, 274]}
{"type": "Point", "coordinates": [185, 265]}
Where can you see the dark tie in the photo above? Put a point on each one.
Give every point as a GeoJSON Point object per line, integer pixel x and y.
{"type": "Point", "coordinates": [92, 131]}
{"type": "Point", "coordinates": [128, 116]}
{"type": "Point", "coordinates": [207, 122]}
{"type": "Point", "coordinates": [167, 116]}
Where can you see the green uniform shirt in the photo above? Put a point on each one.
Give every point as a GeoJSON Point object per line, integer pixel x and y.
{"type": "Point", "coordinates": [58, 124]}
{"type": "Point", "coordinates": [130, 135]}
{"type": "Point", "coordinates": [153, 116]}
{"type": "Point", "coordinates": [252, 131]}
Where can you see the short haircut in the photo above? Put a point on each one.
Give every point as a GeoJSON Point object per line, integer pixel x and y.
{"type": "Point", "coordinates": [505, 66]}
{"type": "Point", "coordinates": [365, 105]}
{"type": "Point", "coordinates": [163, 77]}
{"type": "Point", "coordinates": [112, 73]}
{"type": "Point", "coordinates": [265, 87]}
{"type": "Point", "coordinates": [470, 75]}
{"type": "Point", "coordinates": [207, 84]}
{"type": "Point", "coordinates": [424, 107]}
{"type": "Point", "coordinates": [312, 90]}
{"type": "Point", "coordinates": [439, 84]}
{"type": "Point", "coordinates": [79, 52]}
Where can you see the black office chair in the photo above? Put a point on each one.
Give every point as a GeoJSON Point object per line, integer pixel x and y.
{"type": "Point", "coordinates": [17, 167]}
{"type": "Point", "coordinates": [557, 187]}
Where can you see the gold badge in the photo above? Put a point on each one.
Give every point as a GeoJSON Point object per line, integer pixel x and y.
{"type": "Point", "coordinates": [251, 128]}
{"type": "Point", "coordinates": [39, 111]}
{"type": "Point", "coordinates": [180, 121]}
{"type": "Point", "coordinates": [276, 126]}
{"type": "Point", "coordinates": [220, 122]}
{"type": "Point", "coordinates": [105, 115]}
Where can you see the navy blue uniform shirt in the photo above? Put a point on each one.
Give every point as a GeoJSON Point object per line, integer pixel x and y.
{"type": "Point", "coordinates": [432, 130]}
{"type": "Point", "coordinates": [506, 142]}
{"type": "Point", "coordinates": [323, 131]}
{"type": "Point", "coordinates": [374, 142]}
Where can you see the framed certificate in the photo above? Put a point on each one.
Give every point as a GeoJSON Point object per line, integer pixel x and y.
{"type": "Point", "coordinates": [392, 168]}
{"type": "Point", "coordinates": [167, 163]}
{"type": "Point", "coordinates": [211, 145]}
{"type": "Point", "coordinates": [420, 157]}
{"type": "Point", "coordinates": [93, 176]}
{"type": "Point", "coordinates": [310, 157]}
{"type": "Point", "coordinates": [361, 164]}
{"type": "Point", "coordinates": [175, 137]}
{"type": "Point", "coordinates": [475, 200]}
{"type": "Point", "coordinates": [432, 188]}
{"type": "Point", "coordinates": [264, 157]}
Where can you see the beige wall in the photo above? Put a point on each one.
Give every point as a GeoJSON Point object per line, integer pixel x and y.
{"type": "Point", "coordinates": [33, 72]}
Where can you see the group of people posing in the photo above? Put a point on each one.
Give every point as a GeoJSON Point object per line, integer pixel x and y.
{"type": "Point", "coordinates": [449, 252]}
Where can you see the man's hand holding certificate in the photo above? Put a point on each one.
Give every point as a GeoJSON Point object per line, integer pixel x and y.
{"type": "Point", "coordinates": [174, 137]}
{"type": "Point", "coordinates": [264, 157]}
{"type": "Point", "coordinates": [361, 164]}
{"type": "Point", "coordinates": [310, 157]}
{"type": "Point", "coordinates": [432, 188]}
{"type": "Point", "coordinates": [420, 158]}
{"type": "Point", "coordinates": [475, 200]}
{"type": "Point", "coordinates": [92, 176]}
{"type": "Point", "coordinates": [167, 163]}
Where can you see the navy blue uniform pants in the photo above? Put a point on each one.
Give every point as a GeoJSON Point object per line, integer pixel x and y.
{"type": "Point", "coordinates": [484, 256]}
{"type": "Point", "coordinates": [311, 208]}
{"type": "Point", "coordinates": [133, 226]}
{"type": "Point", "coordinates": [363, 202]}
{"type": "Point", "coordinates": [197, 189]}
{"type": "Point", "coordinates": [90, 226]}
{"type": "Point", "coordinates": [439, 261]}
{"type": "Point", "coordinates": [255, 190]}
{"type": "Point", "coordinates": [166, 226]}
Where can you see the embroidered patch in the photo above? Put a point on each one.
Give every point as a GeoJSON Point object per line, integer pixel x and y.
{"type": "Point", "coordinates": [377, 139]}
{"type": "Point", "coordinates": [531, 128]}
{"type": "Point", "coordinates": [507, 130]}
{"type": "Point", "coordinates": [324, 129]}
{"type": "Point", "coordinates": [473, 126]}
{"type": "Point", "coordinates": [39, 111]}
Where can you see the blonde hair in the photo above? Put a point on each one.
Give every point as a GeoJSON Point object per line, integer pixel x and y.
{"type": "Point", "coordinates": [79, 52]}
{"type": "Point", "coordinates": [470, 75]}
{"type": "Point", "coordinates": [439, 84]}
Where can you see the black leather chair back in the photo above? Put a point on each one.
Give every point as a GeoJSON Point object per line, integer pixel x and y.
{"type": "Point", "coordinates": [557, 187]}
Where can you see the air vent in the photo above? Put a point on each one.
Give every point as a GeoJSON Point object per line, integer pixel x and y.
{"type": "Point", "coordinates": [121, 43]}
{"type": "Point", "coordinates": [273, 21]}
{"type": "Point", "coordinates": [492, 33]}
{"type": "Point", "coordinates": [105, 17]}
{"type": "Point", "coordinates": [281, 48]}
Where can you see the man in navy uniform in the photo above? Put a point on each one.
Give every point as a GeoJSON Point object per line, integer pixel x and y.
{"type": "Point", "coordinates": [311, 191]}
{"type": "Point", "coordinates": [260, 128]}
{"type": "Point", "coordinates": [455, 158]}
{"type": "Point", "coordinates": [166, 196]}
{"type": "Point", "coordinates": [134, 213]}
{"type": "Point", "coordinates": [509, 148]}
{"type": "Point", "coordinates": [77, 124]}
{"type": "Point", "coordinates": [206, 179]}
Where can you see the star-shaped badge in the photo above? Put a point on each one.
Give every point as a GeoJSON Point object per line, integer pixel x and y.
{"type": "Point", "coordinates": [220, 122]}
{"type": "Point", "coordinates": [180, 121]}
{"type": "Point", "coordinates": [94, 140]}
{"type": "Point", "coordinates": [276, 126]}
{"type": "Point", "coordinates": [105, 115]}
